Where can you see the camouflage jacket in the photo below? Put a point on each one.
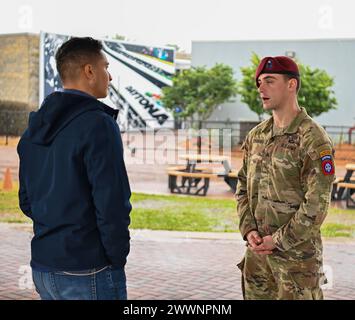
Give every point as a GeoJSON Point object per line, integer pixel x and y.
{"type": "Point", "coordinates": [285, 182]}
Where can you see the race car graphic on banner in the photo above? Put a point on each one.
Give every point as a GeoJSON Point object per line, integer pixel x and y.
{"type": "Point", "coordinates": [138, 73]}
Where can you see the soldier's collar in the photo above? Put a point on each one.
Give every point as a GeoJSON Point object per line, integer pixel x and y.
{"type": "Point", "coordinates": [293, 127]}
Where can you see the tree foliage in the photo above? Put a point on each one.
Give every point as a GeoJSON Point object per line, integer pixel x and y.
{"type": "Point", "coordinates": [198, 91]}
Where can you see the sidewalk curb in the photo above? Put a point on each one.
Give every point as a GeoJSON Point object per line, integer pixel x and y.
{"type": "Point", "coordinates": [159, 235]}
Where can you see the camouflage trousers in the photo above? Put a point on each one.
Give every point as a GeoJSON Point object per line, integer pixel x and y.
{"type": "Point", "coordinates": [266, 277]}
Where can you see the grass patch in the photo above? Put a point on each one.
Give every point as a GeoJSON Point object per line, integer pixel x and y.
{"type": "Point", "coordinates": [9, 209]}
{"type": "Point", "coordinates": [338, 230]}
{"type": "Point", "coordinates": [184, 213]}
{"type": "Point", "coordinates": [11, 141]}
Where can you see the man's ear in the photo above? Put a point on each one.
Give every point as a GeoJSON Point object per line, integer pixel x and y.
{"type": "Point", "coordinates": [88, 71]}
{"type": "Point", "coordinates": [292, 84]}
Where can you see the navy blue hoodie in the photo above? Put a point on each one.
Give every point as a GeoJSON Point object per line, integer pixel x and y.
{"type": "Point", "coordinates": [74, 184]}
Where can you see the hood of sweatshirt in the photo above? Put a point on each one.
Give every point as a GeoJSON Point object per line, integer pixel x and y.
{"type": "Point", "coordinates": [57, 111]}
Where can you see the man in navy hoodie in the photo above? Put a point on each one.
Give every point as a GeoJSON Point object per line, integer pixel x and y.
{"type": "Point", "coordinates": [74, 184]}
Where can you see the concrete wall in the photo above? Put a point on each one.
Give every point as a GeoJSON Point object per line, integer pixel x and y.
{"type": "Point", "coordinates": [336, 57]}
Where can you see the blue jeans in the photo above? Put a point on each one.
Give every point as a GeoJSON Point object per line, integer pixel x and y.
{"type": "Point", "coordinates": [94, 284]}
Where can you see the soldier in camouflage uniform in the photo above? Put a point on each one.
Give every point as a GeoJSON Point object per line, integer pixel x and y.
{"type": "Point", "coordinates": [283, 192]}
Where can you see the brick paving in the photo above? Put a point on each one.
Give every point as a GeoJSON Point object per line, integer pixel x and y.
{"type": "Point", "coordinates": [173, 265]}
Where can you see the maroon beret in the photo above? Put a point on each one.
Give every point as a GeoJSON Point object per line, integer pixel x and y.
{"type": "Point", "coordinates": [280, 64]}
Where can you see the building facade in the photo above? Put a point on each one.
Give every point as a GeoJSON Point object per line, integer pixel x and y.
{"type": "Point", "coordinates": [19, 64]}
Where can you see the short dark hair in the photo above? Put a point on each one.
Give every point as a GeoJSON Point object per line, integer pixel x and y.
{"type": "Point", "coordinates": [290, 76]}
{"type": "Point", "coordinates": [75, 53]}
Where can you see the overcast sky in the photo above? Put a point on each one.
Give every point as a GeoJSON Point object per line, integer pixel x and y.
{"type": "Point", "coordinates": [182, 21]}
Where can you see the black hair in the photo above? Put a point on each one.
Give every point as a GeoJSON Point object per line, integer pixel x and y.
{"type": "Point", "coordinates": [75, 53]}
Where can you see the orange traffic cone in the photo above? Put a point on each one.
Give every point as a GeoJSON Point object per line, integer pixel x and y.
{"type": "Point", "coordinates": [7, 180]}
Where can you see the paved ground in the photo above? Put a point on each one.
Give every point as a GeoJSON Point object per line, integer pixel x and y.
{"type": "Point", "coordinates": [173, 265]}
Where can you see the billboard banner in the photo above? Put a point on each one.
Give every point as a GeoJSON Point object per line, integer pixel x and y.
{"type": "Point", "coordinates": [139, 72]}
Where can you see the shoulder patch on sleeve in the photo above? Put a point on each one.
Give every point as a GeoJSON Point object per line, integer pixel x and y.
{"type": "Point", "coordinates": [327, 165]}
{"type": "Point", "coordinates": [327, 162]}
{"type": "Point", "coordinates": [324, 153]}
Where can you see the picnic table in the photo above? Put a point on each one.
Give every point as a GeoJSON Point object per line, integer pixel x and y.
{"type": "Point", "coordinates": [344, 187]}
{"type": "Point", "coordinates": [195, 179]}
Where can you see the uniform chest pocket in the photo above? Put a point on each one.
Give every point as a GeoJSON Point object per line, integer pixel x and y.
{"type": "Point", "coordinates": [255, 161]}
{"type": "Point", "coordinates": [285, 159]}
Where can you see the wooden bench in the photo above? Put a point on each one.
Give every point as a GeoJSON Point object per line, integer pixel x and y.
{"type": "Point", "coordinates": [336, 186]}
{"type": "Point", "coordinates": [350, 189]}
{"type": "Point", "coordinates": [190, 181]}
{"type": "Point", "coordinates": [350, 166]}
{"type": "Point", "coordinates": [183, 169]}
{"type": "Point", "coordinates": [232, 179]}
{"type": "Point", "coordinates": [339, 192]}
{"type": "Point", "coordinates": [337, 180]}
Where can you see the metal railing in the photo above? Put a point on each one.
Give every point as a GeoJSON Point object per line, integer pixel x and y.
{"type": "Point", "coordinates": [341, 134]}
{"type": "Point", "coordinates": [14, 123]}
